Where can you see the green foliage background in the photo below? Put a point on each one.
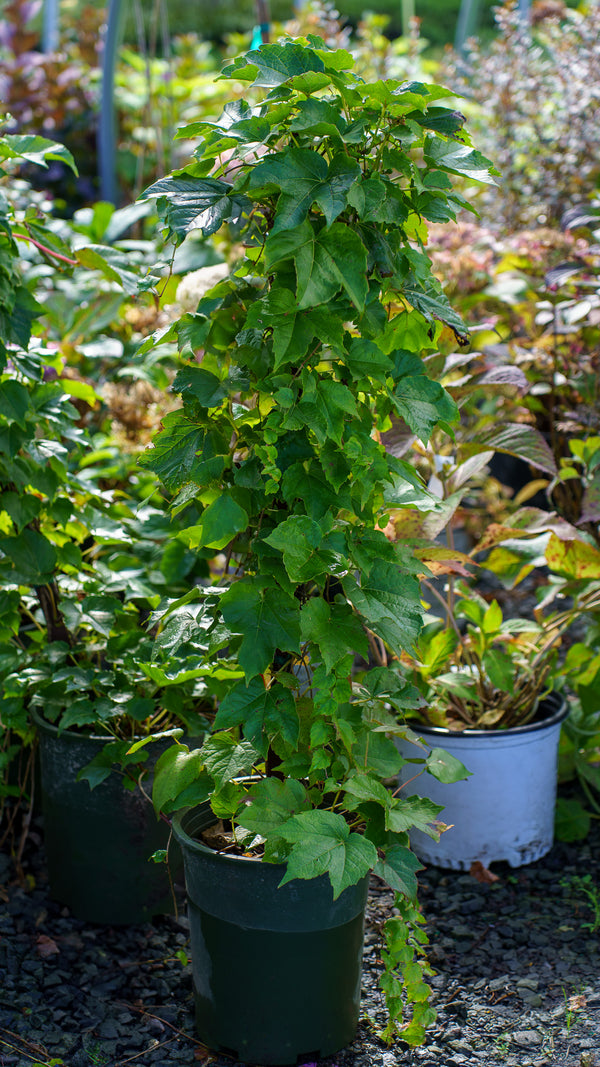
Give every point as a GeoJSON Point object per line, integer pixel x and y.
{"type": "Point", "coordinates": [211, 20]}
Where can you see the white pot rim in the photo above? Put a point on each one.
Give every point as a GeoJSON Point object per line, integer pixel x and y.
{"type": "Point", "coordinates": [558, 709]}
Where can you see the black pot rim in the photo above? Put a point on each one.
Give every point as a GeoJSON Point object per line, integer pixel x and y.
{"type": "Point", "coordinates": [558, 709]}
{"type": "Point", "coordinates": [195, 845]}
{"type": "Point", "coordinates": [68, 734]}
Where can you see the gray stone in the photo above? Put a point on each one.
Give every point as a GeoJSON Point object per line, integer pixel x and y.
{"type": "Point", "coordinates": [532, 1000]}
{"type": "Point", "coordinates": [109, 1029]}
{"type": "Point", "coordinates": [462, 947]}
{"type": "Point", "coordinates": [460, 1046]}
{"type": "Point", "coordinates": [527, 1038]}
{"type": "Point", "coordinates": [460, 930]}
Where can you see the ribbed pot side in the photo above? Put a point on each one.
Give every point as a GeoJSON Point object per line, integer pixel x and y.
{"type": "Point", "coordinates": [99, 841]}
{"type": "Point", "coordinates": [277, 971]}
{"type": "Point", "coordinates": [505, 810]}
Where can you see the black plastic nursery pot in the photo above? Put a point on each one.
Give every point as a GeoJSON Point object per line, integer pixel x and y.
{"type": "Point", "coordinates": [98, 842]}
{"type": "Point", "coordinates": [277, 971]}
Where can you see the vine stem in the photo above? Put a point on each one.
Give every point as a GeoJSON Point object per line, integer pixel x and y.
{"type": "Point", "coordinates": [47, 251]}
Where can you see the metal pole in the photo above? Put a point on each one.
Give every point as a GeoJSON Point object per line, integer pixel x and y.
{"type": "Point", "coordinates": [107, 130]}
{"type": "Point", "coordinates": [466, 23]}
{"type": "Point", "coordinates": [263, 18]}
{"type": "Point", "coordinates": [408, 14]}
{"type": "Point", "coordinates": [50, 26]}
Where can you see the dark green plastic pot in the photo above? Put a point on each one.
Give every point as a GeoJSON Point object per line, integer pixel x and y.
{"type": "Point", "coordinates": [277, 972]}
{"type": "Point", "coordinates": [98, 842]}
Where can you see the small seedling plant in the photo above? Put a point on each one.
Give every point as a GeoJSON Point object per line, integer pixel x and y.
{"type": "Point", "coordinates": [585, 885]}
{"type": "Point", "coordinates": [296, 363]}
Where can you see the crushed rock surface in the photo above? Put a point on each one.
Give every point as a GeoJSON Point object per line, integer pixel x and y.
{"type": "Point", "coordinates": [517, 980]}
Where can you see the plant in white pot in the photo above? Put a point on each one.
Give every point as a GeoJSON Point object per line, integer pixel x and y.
{"type": "Point", "coordinates": [296, 362]}
{"type": "Point", "coordinates": [492, 698]}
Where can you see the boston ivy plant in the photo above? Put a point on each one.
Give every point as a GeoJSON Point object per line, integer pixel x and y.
{"type": "Point", "coordinates": [297, 362]}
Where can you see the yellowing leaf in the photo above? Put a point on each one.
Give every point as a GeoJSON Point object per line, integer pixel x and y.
{"type": "Point", "coordinates": [574, 559]}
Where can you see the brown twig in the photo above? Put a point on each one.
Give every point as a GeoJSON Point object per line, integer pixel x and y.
{"type": "Point", "coordinates": [180, 1033]}
{"type": "Point", "coordinates": [136, 1055]}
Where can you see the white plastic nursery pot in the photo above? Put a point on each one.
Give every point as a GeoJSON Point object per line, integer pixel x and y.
{"type": "Point", "coordinates": [505, 810]}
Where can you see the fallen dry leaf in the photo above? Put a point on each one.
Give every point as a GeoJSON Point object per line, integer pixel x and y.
{"type": "Point", "coordinates": [482, 874]}
{"type": "Point", "coordinates": [577, 1002]}
{"type": "Point", "coordinates": [203, 1056]}
{"type": "Point", "coordinates": [45, 946]}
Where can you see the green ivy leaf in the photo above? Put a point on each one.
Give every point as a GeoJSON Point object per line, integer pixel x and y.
{"type": "Point", "coordinates": [458, 158]}
{"type": "Point", "coordinates": [389, 601]}
{"type": "Point", "coordinates": [441, 119]}
{"type": "Point", "coordinates": [25, 309]}
{"type": "Point", "coordinates": [298, 538]}
{"type": "Point", "coordinates": [81, 712]}
{"type": "Point", "coordinates": [365, 359]}
{"type": "Point", "coordinates": [274, 64]}
{"type": "Point", "coordinates": [434, 306]}
{"type": "Point", "coordinates": [100, 612]}
{"type": "Point", "coordinates": [334, 629]}
{"type": "Point", "coordinates": [219, 524]}
{"type": "Point", "coordinates": [225, 758]}
{"type": "Point", "coordinates": [398, 869]}
{"type": "Point", "coordinates": [271, 804]}
{"type": "Point", "coordinates": [175, 770]}
{"type": "Point", "coordinates": [33, 557]}
{"type": "Point", "coordinates": [305, 178]}
{"type": "Point", "coordinates": [35, 150]}
{"type": "Point", "coordinates": [423, 403]}
{"type": "Point", "coordinates": [445, 767]}
{"type": "Point", "coordinates": [291, 331]}
{"type": "Point", "coordinates": [266, 616]}
{"type": "Point", "coordinates": [414, 812]}
{"type": "Point", "coordinates": [331, 260]}
{"type": "Point", "coordinates": [377, 754]}
{"type": "Point", "coordinates": [208, 390]}
{"type": "Point", "coordinates": [322, 843]}
{"type": "Point", "coordinates": [264, 714]}
{"type": "Point", "coordinates": [365, 787]}
{"type": "Point", "coordinates": [197, 203]}
{"type": "Point", "coordinates": [174, 449]}
{"type": "Point", "coordinates": [22, 507]}
{"type": "Point", "coordinates": [317, 117]}
{"type": "Point", "coordinates": [14, 402]}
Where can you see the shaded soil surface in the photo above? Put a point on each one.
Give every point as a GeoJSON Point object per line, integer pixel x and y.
{"type": "Point", "coordinates": [517, 982]}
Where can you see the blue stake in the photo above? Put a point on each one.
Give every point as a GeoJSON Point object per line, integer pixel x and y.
{"type": "Point", "coordinates": [50, 26]}
{"type": "Point", "coordinates": [107, 131]}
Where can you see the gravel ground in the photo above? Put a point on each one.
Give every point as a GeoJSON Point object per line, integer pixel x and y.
{"type": "Point", "coordinates": [517, 983]}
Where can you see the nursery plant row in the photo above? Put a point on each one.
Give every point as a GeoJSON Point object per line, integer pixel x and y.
{"type": "Point", "coordinates": [253, 558]}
